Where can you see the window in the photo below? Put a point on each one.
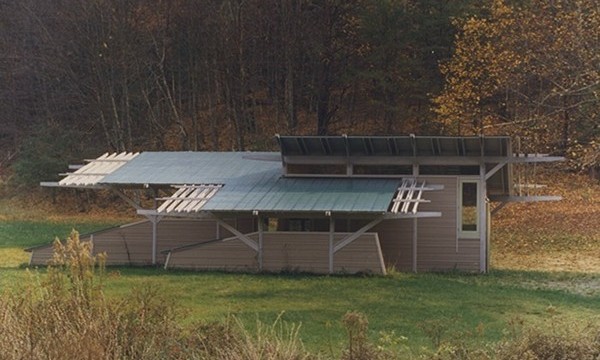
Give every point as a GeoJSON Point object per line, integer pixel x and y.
{"type": "Point", "coordinates": [316, 169]}
{"type": "Point", "coordinates": [448, 170]}
{"type": "Point", "coordinates": [299, 225]}
{"type": "Point", "coordinates": [382, 170]}
{"type": "Point", "coordinates": [468, 212]}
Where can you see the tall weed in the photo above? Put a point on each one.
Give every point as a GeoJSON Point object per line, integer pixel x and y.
{"type": "Point", "coordinates": [66, 315]}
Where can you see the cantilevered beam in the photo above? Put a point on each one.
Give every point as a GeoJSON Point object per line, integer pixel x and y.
{"type": "Point", "coordinates": [503, 198]}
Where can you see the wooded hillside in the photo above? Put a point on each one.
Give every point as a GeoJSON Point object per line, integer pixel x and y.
{"type": "Point", "coordinates": [78, 78]}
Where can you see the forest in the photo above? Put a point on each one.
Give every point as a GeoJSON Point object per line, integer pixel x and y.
{"type": "Point", "coordinates": [79, 78]}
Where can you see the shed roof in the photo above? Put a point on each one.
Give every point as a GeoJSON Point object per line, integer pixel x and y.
{"type": "Point", "coordinates": [254, 185]}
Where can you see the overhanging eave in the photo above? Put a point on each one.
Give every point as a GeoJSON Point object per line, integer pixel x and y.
{"type": "Point", "coordinates": [72, 186]}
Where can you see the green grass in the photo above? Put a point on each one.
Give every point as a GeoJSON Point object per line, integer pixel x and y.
{"type": "Point", "coordinates": [400, 303]}
{"type": "Point", "coordinates": [478, 305]}
{"type": "Point", "coordinates": [17, 235]}
{"type": "Point", "coordinates": [26, 233]}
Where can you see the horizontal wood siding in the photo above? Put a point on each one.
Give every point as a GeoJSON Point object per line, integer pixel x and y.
{"type": "Point", "coordinates": [41, 255]}
{"type": "Point", "coordinates": [285, 251]}
{"type": "Point", "coordinates": [231, 255]}
{"type": "Point", "coordinates": [131, 244]}
{"type": "Point", "coordinates": [309, 252]}
{"type": "Point", "coordinates": [436, 237]}
{"type": "Point", "coordinates": [364, 255]}
{"type": "Point", "coordinates": [395, 237]}
{"type": "Point", "coordinates": [128, 245]}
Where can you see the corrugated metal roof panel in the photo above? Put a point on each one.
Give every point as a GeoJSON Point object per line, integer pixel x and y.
{"type": "Point", "coordinates": [250, 184]}
{"type": "Point", "coordinates": [318, 195]}
{"type": "Point", "coordinates": [168, 168]}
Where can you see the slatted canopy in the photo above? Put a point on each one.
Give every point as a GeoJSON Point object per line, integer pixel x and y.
{"type": "Point", "coordinates": [96, 169]}
{"type": "Point", "coordinates": [409, 196]}
{"type": "Point", "coordinates": [188, 198]}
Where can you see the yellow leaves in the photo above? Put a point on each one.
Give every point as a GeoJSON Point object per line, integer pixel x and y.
{"type": "Point", "coordinates": [519, 64]}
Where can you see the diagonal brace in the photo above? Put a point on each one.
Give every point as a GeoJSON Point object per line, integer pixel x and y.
{"type": "Point", "coordinates": [246, 240]}
{"type": "Point", "coordinates": [350, 238]}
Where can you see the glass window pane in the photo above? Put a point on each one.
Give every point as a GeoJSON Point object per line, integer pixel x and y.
{"type": "Point", "coordinates": [469, 206]}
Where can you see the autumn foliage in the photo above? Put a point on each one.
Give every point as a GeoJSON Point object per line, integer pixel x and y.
{"type": "Point", "coordinates": [530, 71]}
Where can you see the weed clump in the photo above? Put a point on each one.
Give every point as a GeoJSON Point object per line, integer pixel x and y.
{"type": "Point", "coordinates": [66, 315]}
{"type": "Point", "coordinates": [555, 339]}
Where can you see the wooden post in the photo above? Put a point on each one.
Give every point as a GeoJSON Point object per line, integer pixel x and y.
{"type": "Point", "coordinates": [482, 226]}
{"type": "Point", "coordinates": [154, 221]}
{"type": "Point", "coordinates": [260, 243]}
{"type": "Point", "coordinates": [415, 171]}
{"type": "Point", "coordinates": [414, 246]}
{"type": "Point", "coordinates": [331, 233]}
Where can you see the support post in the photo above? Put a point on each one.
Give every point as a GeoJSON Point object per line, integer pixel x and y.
{"type": "Point", "coordinates": [483, 241]}
{"type": "Point", "coordinates": [260, 243]}
{"type": "Point", "coordinates": [154, 221]}
{"type": "Point", "coordinates": [415, 171]}
{"type": "Point", "coordinates": [331, 233]}
{"type": "Point", "coordinates": [414, 246]}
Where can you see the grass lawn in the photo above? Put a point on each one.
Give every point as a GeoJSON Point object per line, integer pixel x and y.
{"type": "Point", "coordinates": [16, 235]}
{"type": "Point", "coordinates": [477, 307]}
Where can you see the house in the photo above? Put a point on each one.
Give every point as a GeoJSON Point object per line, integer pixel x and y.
{"type": "Point", "coordinates": [322, 204]}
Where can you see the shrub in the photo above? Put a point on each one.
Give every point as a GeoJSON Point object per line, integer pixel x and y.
{"type": "Point", "coordinates": [555, 339]}
{"type": "Point", "coordinates": [66, 315]}
{"type": "Point", "coordinates": [359, 347]}
{"type": "Point", "coordinates": [276, 341]}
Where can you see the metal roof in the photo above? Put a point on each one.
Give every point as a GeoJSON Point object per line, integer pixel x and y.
{"type": "Point", "coordinates": [251, 185]}
{"type": "Point", "coordinates": [171, 168]}
{"type": "Point", "coordinates": [301, 195]}
{"type": "Point", "coordinates": [307, 195]}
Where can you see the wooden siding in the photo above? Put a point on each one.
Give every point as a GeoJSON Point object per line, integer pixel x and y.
{"type": "Point", "coordinates": [41, 255]}
{"type": "Point", "coordinates": [436, 237]}
{"type": "Point", "coordinates": [230, 255]}
{"type": "Point", "coordinates": [285, 251]}
{"type": "Point", "coordinates": [131, 244]}
{"type": "Point", "coordinates": [395, 237]}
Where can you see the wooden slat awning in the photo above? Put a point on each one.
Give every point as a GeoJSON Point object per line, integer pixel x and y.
{"type": "Point", "coordinates": [188, 198]}
{"type": "Point", "coordinates": [408, 196]}
{"type": "Point", "coordinates": [93, 172]}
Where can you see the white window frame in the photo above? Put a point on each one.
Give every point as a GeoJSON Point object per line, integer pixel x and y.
{"type": "Point", "coordinates": [468, 234]}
